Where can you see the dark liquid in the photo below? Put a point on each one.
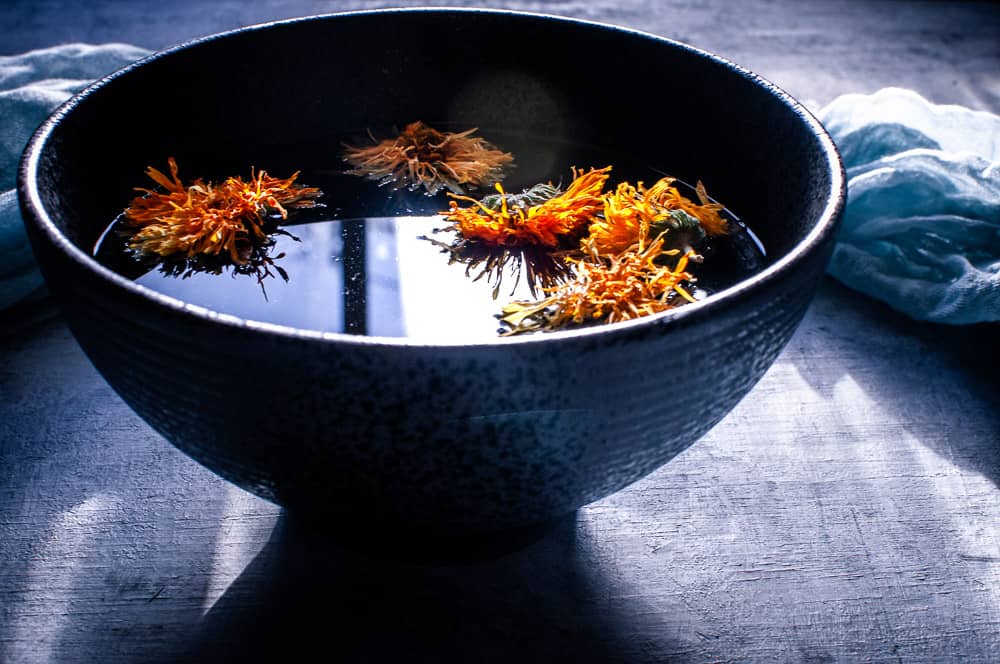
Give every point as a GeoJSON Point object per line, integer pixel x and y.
{"type": "Point", "coordinates": [368, 272]}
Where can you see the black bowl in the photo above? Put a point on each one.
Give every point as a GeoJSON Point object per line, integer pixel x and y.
{"type": "Point", "coordinates": [384, 434]}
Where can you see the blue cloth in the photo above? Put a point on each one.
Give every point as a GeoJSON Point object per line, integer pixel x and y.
{"type": "Point", "coordinates": [32, 85]}
{"type": "Point", "coordinates": [921, 229]}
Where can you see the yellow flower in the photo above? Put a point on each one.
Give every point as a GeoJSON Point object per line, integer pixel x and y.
{"type": "Point", "coordinates": [529, 236]}
{"type": "Point", "coordinates": [547, 224]}
{"type": "Point", "coordinates": [423, 156]}
{"type": "Point", "coordinates": [227, 219]}
{"type": "Point", "coordinates": [624, 287]}
{"type": "Point", "coordinates": [633, 216]}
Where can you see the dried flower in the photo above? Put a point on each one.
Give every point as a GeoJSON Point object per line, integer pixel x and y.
{"type": "Point", "coordinates": [634, 261]}
{"type": "Point", "coordinates": [636, 215]}
{"type": "Point", "coordinates": [545, 224]}
{"type": "Point", "coordinates": [623, 287]}
{"type": "Point", "coordinates": [421, 156]}
{"type": "Point", "coordinates": [508, 229]}
{"type": "Point", "coordinates": [203, 219]}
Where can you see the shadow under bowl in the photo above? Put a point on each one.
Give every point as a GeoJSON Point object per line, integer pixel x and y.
{"type": "Point", "coordinates": [377, 434]}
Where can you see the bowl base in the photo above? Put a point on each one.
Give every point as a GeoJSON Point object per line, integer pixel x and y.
{"type": "Point", "coordinates": [428, 545]}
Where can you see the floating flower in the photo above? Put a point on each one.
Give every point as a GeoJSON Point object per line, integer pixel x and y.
{"type": "Point", "coordinates": [227, 220]}
{"type": "Point", "coordinates": [547, 224]}
{"type": "Point", "coordinates": [509, 229]}
{"type": "Point", "coordinates": [636, 215]}
{"type": "Point", "coordinates": [624, 287]}
{"type": "Point", "coordinates": [635, 260]}
{"type": "Point", "coordinates": [421, 156]}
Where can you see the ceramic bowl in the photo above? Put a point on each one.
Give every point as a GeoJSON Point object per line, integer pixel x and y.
{"type": "Point", "coordinates": [390, 434]}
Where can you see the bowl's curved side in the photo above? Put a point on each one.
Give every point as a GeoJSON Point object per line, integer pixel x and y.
{"type": "Point", "coordinates": [483, 436]}
{"type": "Point", "coordinates": [500, 436]}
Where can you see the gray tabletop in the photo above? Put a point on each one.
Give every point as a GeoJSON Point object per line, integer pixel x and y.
{"type": "Point", "coordinates": [847, 510]}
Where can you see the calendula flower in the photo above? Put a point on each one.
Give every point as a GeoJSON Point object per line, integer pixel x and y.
{"type": "Point", "coordinates": [634, 262]}
{"type": "Point", "coordinates": [623, 287]}
{"type": "Point", "coordinates": [636, 215]}
{"type": "Point", "coordinates": [421, 156]}
{"type": "Point", "coordinates": [546, 224]}
{"type": "Point", "coordinates": [508, 229]}
{"type": "Point", "coordinates": [225, 220]}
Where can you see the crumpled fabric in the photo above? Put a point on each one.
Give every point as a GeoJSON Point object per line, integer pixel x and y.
{"type": "Point", "coordinates": [32, 85]}
{"type": "Point", "coordinates": [921, 228]}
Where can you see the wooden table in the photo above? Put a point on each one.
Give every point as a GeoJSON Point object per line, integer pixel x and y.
{"type": "Point", "coordinates": [847, 510]}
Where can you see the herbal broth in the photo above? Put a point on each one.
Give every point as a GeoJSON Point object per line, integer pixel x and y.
{"type": "Point", "coordinates": [378, 274]}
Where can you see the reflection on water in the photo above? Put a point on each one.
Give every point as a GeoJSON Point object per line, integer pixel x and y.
{"type": "Point", "coordinates": [345, 276]}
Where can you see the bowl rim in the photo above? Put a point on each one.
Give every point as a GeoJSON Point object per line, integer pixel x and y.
{"type": "Point", "coordinates": [825, 226]}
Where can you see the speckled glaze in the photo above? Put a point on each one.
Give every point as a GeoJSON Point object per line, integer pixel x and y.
{"type": "Point", "coordinates": [389, 434]}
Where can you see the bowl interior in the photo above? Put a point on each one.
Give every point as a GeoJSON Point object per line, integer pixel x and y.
{"type": "Point", "coordinates": [285, 96]}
